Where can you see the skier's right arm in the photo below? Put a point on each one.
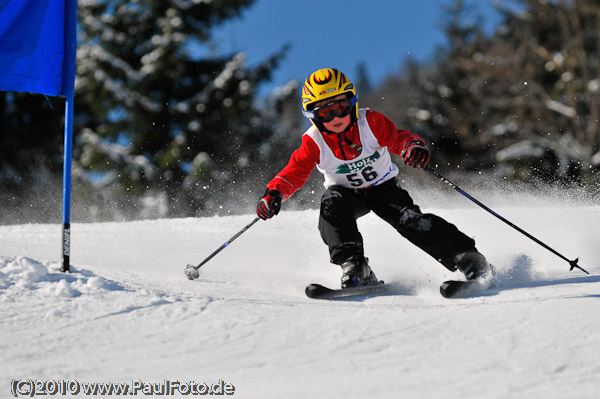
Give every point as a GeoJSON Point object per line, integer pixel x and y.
{"type": "Point", "coordinates": [290, 179]}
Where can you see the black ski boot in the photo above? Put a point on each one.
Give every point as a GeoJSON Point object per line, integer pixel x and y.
{"type": "Point", "coordinates": [473, 265]}
{"type": "Point", "coordinates": [357, 272]}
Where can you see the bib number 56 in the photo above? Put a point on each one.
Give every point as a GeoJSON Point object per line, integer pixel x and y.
{"type": "Point", "coordinates": [366, 175]}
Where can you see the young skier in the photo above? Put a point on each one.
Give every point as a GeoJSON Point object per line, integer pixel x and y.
{"type": "Point", "coordinates": [350, 147]}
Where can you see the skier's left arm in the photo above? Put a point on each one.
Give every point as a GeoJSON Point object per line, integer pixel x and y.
{"type": "Point", "coordinates": [408, 145]}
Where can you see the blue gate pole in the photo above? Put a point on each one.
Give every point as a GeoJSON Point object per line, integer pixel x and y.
{"type": "Point", "coordinates": [69, 66]}
{"type": "Point", "coordinates": [68, 158]}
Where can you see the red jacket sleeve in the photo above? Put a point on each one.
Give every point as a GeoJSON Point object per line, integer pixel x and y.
{"type": "Point", "coordinates": [388, 135]}
{"type": "Point", "coordinates": [298, 169]}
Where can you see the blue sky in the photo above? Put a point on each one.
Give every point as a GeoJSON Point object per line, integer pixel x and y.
{"type": "Point", "coordinates": [340, 33]}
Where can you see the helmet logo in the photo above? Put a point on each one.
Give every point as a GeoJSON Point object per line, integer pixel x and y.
{"type": "Point", "coordinates": [324, 79]}
{"type": "Point", "coordinates": [327, 91]}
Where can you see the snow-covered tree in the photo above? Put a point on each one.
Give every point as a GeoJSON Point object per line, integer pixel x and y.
{"type": "Point", "coordinates": [165, 118]}
{"type": "Point", "coordinates": [524, 99]}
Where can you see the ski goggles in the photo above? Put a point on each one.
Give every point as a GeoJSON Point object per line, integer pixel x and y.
{"type": "Point", "coordinates": [327, 112]}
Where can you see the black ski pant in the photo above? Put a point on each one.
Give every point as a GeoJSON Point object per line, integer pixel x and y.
{"type": "Point", "coordinates": [341, 207]}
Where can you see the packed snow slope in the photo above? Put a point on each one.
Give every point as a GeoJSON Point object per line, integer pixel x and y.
{"type": "Point", "coordinates": [127, 313]}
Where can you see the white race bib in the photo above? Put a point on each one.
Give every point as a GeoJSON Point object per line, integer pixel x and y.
{"type": "Point", "coordinates": [372, 167]}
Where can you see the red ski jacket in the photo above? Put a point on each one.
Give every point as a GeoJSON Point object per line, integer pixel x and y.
{"type": "Point", "coordinates": [343, 145]}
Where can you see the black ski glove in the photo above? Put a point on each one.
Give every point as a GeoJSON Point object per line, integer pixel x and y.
{"type": "Point", "coordinates": [416, 155]}
{"type": "Point", "coordinates": [269, 205]}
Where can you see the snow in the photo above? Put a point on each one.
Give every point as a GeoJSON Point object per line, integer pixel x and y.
{"type": "Point", "coordinates": [127, 313]}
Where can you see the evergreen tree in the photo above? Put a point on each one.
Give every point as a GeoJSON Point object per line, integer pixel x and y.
{"type": "Point", "coordinates": [439, 100]}
{"type": "Point", "coordinates": [523, 100]}
{"type": "Point", "coordinates": [161, 122]}
{"type": "Point", "coordinates": [547, 88]}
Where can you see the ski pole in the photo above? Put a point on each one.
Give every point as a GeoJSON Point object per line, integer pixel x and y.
{"type": "Point", "coordinates": [191, 271]}
{"type": "Point", "coordinates": [573, 263]}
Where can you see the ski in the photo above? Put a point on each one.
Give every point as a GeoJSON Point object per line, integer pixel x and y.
{"type": "Point", "coordinates": [455, 288]}
{"type": "Point", "coordinates": [318, 291]}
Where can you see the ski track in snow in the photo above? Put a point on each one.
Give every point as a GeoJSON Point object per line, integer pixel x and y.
{"type": "Point", "coordinates": [126, 311]}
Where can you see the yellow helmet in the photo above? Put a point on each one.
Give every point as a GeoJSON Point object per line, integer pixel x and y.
{"type": "Point", "coordinates": [323, 84]}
